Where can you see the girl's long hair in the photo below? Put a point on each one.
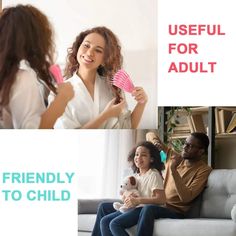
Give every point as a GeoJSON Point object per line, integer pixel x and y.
{"type": "Point", "coordinates": [112, 57]}
{"type": "Point", "coordinates": [25, 33]}
{"type": "Point", "coordinates": [154, 153]}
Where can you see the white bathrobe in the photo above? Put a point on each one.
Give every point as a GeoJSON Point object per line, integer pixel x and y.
{"type": "Point", "coordinates": [26, 103]}
{"type": "Point", "coordinates": [82, 108]}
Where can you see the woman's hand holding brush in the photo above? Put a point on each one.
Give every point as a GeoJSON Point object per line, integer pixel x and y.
{"type": "Point", "coordinates": [123, 81]}
{"type": "Point", "coordinates": [139, 95]}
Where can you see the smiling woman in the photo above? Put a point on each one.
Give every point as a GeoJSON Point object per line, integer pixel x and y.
{"type": "Point", "coordinates": [92, 62]}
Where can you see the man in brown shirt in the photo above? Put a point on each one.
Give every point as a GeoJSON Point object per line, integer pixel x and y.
{"type": "Point", "coordinates": [185, 177]}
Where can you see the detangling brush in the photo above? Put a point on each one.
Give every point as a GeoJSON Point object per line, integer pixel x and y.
{"type": "Point", "coordinates": [56, 72]}
{"type": "Point", "coordinates": [122, 80]}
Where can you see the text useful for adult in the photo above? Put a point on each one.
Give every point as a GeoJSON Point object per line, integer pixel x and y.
{"type": "Point", "coordinates": [191, 48]}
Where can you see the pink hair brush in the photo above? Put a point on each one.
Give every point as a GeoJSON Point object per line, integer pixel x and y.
{"type": "Point", "coordinates": [122, 80]}
{"type": "Point", "coordinates": [56, 72]}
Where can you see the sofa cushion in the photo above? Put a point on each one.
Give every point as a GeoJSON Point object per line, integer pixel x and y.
{"type": "Point", "coordinates": [90, 206]}
{"type": "Point", "coordinates": [193, 227]}
{"type": "Point", "coordinates": [86, 222]}
{"type": "Point", "coordinates": [220, 194]}
{"type": "Point", "coordinates": [233, 213]}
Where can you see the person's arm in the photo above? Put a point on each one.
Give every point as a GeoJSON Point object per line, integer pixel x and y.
{"type": "Point", "coordinates": [26, 103]}
{"type": "Point", "coordinates": [57, 106]}
{"type": "Point", "coordinates": [111, 110]}
{"type": "Point", "coordinates": [157, 194]}
{"type": "Point", "coordinates": [155, 140]}
{"type": "Point", "coordinates": [158, 197]}
{"type": "Point", "coordinates": [27, 106]}
{"type": "Point", "coordinates": [141, 98]}
{"type": "Point", "coordinates": [70, 121]}
{"type": "Point", "coordinates": [188, 193]}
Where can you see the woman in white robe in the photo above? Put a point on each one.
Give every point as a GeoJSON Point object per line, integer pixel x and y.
{"type": "Point", "coordinates": [24, 70]}
{"type": "Point", "coordinates": [93, 60]}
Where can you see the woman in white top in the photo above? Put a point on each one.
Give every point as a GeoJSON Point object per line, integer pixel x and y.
{"type": "Point", "coordinates": [147, 166]}
{"type": "Point", "coordinates": [26, 52]}
{"type": "Point", "coordinates": [92, 61]}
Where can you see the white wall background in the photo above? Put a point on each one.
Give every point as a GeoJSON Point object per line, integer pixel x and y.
{"type": "Point", "coordinates": [197, 89]}
{"type": "Point", "coordinates": [135, 24]}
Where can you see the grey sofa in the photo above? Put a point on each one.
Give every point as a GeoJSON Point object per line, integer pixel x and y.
{"type": "Point", "coordinates": [210, 215]}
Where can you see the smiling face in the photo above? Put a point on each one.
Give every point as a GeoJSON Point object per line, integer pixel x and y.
{"type": "Point", "coordinates": [91, 52]}
{"type": "Point", "coordinates": [142, 159]}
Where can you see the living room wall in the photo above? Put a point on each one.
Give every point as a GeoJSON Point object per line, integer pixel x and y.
{"type": "Point", "coordinates": [225, 153]}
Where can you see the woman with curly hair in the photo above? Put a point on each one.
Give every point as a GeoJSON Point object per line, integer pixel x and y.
{"type": "Point", "coordinates": [92, 61]}
{"type": "Point", "coordinates": [26, 53]}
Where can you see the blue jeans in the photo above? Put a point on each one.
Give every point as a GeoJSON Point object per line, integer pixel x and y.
{"type": "Point", "coordinates": [104, 209]}
{"type": "Point", "coordinates": [113, 223]}
{"type": "Point", "coordinates": [151, 212]}
{"type": "Point", "coordinates": [124, 221]}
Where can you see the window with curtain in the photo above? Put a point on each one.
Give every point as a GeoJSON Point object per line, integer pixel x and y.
{"type": "Point", "coordinates": [102, 161]}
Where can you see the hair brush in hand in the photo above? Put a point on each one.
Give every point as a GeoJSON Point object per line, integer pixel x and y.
{"type": "Point", "coordinates": [56, 72]}
{"type": "Point", "coordinates": [122, 80]}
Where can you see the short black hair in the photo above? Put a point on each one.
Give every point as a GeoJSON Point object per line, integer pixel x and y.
{"type": "Point", "coordinates": [202, 139]}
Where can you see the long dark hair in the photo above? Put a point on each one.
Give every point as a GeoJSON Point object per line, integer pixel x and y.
{"type": "Point", "coordinates": [112, 58]}
{"type": "Point", "coordinates": [154, 153]}
{"type": "Point", "coordinates": [25, 33]}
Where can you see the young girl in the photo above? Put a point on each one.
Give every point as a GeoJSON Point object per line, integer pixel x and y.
{"type": "Point", "coordinates": [147, 166]}
{"type": "Point", "coordinates": [26, 52]}
{"type": "Point", "coordinates": [92, 61]}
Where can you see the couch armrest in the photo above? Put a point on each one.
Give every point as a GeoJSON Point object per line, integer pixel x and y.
{"type": "Point", "coordinates": [90, 206]}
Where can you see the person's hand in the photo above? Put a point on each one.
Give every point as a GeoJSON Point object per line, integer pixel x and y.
{"type": "Point", "coordinates": [139, 95]}
{"type": "Point", "coordinates": [112, 109]}
{"type": "Point", "coordinates": [123, 197]}
{"type": "Point", "coordinates": [133, 195]}
{"type": "Point", "coordinates": [131, 202]}
{"type": "Point", "coordinates": [155, 140]}
{"type": "Point", "coordinates": [65, 91]}
{"type": "Point", "coordinates": [175, 160]}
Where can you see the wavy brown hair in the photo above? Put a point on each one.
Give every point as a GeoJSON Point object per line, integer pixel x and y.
{"type": "Point", "coordinates": [25, 33]}
{"type": "Point", "coordinates": [112, 56]}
